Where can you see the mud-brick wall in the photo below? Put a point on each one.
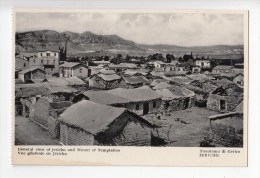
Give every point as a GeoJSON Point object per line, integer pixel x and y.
{"type": "Point", "coordinates": [127, 131]}
{"type": "Point", "coordinates": [228, 132]}
{"type": "Point", "coordinates": [112, 84]}
{"type": "Point", "coordinates": [70, 135]}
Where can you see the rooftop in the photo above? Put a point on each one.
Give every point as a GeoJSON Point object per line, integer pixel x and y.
{"type": "Point", "coordinates": [31, 69]}
{"type": "Point", "coordinates": [91, 117]}
{"type": "Point", "coordinates": [135, 79]}
{"type": "Point", "coordinates": [71, 64]}
{"type": "Point", "coordinates": [109, 77]}
{"type": "Point", "coordinates": [159, 62]}
{"type": "Point", "coordinates": [175, 92]}
{"type": "Point", "coordinates": [75, 81]}
{"type": "Point", "coordinates": [135, 95]}
{"type": "Point", "coordinates": [222, 67]}
{"type": "Point", "coordinates": [31, 91]}
{"type": "Point", "coordinates": [103, 97]}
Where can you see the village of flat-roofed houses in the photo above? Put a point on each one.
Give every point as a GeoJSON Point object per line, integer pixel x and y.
{"type": "Point", "coordinates": [175, 100]}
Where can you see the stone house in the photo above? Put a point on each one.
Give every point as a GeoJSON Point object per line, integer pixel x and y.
{"type": "Point", "coordinates": [89, 123]}
{"type": "Point", "coordinates": [176, 98]}
{"type": "Point", "coordinates": [202, 89]}
{"type": "Point", "coordinates": [106, 79]}
{"type": "Point", "coordinates": [225, 99]}
{"type": "Point", "coordinates": [71, 69]}
{"type": "Point", "coordinates": [30, 74]}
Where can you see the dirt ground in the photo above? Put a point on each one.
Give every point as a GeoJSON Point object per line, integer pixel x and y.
{"type": "Point", "coordinates": [188, 127]}
{"type": "Point", "coordinates": [29, 133]}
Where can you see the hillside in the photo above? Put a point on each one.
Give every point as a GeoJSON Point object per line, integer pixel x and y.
{"type": "Point", "coordinates": [86, 42]}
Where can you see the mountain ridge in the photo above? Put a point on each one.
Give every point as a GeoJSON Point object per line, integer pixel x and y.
{"type": "Point", "coordinates": [81, 42]}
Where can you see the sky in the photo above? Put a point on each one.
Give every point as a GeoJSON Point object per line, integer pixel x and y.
{"type": "Point", "coordinates": [183, 29]}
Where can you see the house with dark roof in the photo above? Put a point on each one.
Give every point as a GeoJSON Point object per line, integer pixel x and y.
{"type": "Point", "coordinates": [225, 98]}
{"type": "Point", "coordinates": [89, 123]}
{"type": "Point", "coordinates": [30, 74]}
{"type": "Point", "coordinates": [105, 79]}
{"type": "Point", "coordinates": [71, 69]}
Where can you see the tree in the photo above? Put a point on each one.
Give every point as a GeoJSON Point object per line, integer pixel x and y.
{"type": "Point", "coordinates": [169, 58]}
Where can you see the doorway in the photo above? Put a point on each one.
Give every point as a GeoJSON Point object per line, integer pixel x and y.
{"type": "Point", "coordinates": [222, 105]}
{"type": "Point", "coordinates": [146, 108]}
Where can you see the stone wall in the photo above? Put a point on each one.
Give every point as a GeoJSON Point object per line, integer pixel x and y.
{"type": "Point", "coordinates": [178, 104]}
{"type": "Point", "coordinates": [213, 102]}
{"type": "Point", "coordinates": [97, 82]}
{"type": "Point", "coordinates": [228, 132]}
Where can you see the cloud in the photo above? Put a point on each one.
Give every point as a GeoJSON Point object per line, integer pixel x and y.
{"type": "Point", "coordinates": [187, 29]}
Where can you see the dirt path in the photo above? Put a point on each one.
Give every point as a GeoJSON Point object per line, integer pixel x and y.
{"type": "Point", "coordinates": [29, 133]}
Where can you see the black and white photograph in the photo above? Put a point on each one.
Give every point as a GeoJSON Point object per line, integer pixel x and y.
{"type": "Point", "coordinates": [135, 79]}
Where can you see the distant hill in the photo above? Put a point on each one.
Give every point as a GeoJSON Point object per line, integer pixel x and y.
{"type": "Point", "coordinates": [80, 43]}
